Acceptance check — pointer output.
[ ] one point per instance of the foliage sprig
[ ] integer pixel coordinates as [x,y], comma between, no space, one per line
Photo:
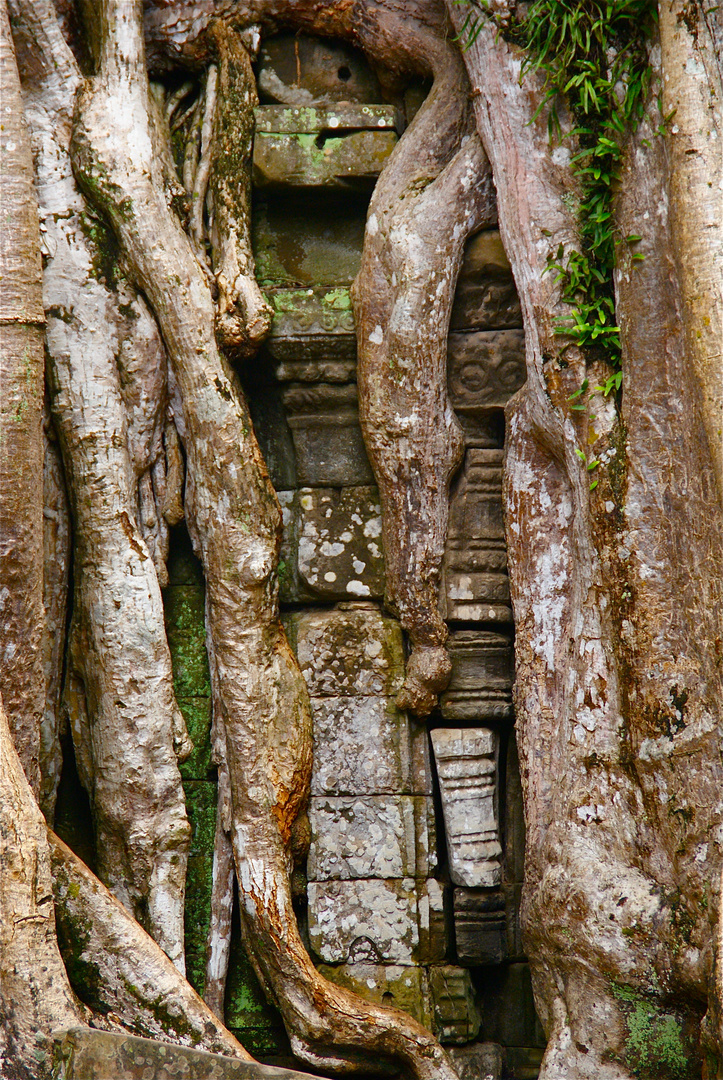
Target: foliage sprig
[593,54]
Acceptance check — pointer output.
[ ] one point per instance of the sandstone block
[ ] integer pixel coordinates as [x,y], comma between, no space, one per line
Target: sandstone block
[331,546]
[467,769]
[485,368]
[479,1061]
[365,746]
[311,324]
[433,929]
[456,1016]
[351,650]
[404,988]
[486,297]
[352,159]
[84,1053]
[480,925]
[328,444]
[482,670]
[301,70]
[300,239]
[364,921]
[377,836]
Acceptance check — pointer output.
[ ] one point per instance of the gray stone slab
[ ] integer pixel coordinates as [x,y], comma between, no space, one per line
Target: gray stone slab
[485,368]
[373,836]
[350,160]
[90,1054]
[403,988]
[456,1016]
[364,921]
[337,119]
[350,650]
[365,746]
[486,297]
[305,241]
[328,443]
[466,761]
[482,671]
[478,1061]
[433,928]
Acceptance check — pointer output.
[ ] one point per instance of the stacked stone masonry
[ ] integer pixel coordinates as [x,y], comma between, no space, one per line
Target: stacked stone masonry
[417,838]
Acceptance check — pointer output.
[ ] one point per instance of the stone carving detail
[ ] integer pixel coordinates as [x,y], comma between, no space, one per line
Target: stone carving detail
[456,1016]
[476,585]
[486,297]
[467,769]
[315,323]
[480,924]
[481,684]
[328,443]
[485,368]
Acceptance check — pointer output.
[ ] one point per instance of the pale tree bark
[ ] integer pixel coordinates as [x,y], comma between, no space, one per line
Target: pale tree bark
[126,725]
[21,413]
[617,605]
[35,995]
[234,520]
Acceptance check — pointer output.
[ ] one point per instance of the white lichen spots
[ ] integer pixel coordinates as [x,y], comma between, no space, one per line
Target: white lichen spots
[373,527]
[701,853]
[330,576]
[377,335]
[372,225]
[359,566]
[358,588]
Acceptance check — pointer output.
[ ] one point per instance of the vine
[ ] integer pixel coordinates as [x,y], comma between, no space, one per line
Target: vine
[594,56]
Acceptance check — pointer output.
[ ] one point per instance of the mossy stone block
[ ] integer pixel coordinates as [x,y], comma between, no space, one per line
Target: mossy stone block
[183,566]
[201,799]
[199,880]
[185,627]
[247,1010]
[319,160]
[197,714]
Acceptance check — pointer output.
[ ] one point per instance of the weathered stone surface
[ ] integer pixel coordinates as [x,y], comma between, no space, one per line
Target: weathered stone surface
[378,836]
[197,918]
[337,119]
[197,714]
[433,929]
[331,549]
[485,368]
[476,586]
[311,324]
[201,799]
[486,297]
[482,671]
[340,552]
[185,628]
[273,433]
[376,922]
[254,1022]
[404,988]
[479,1061]
[90,1054]
[456,1016]
[365,746]
[351,650]
[364,921]
[301,238]
[307,159]
[467,767]
[301,70]
[480,925]
[328,443]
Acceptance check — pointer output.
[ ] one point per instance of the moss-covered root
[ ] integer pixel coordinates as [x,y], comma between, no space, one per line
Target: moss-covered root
[118,969]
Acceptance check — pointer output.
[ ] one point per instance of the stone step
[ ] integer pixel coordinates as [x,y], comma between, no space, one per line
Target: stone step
[88,1054]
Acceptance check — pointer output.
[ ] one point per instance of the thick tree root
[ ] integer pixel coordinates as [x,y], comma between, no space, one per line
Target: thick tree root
[126,977]
[234,519]
[126,724]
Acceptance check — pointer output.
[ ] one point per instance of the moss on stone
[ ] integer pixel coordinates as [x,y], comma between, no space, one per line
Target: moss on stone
[201,800]
[197,917]
[197,714]
[657,1044]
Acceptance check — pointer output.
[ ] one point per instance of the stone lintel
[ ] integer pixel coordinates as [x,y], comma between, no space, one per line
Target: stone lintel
[90,1054]
[339,118]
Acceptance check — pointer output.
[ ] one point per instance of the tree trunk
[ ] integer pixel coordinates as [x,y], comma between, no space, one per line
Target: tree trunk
[617,601]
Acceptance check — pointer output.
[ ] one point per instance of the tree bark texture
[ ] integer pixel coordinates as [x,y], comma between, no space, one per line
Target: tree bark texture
[35,994]
[262,714]
[107,383]
[618,686]
[21,413]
